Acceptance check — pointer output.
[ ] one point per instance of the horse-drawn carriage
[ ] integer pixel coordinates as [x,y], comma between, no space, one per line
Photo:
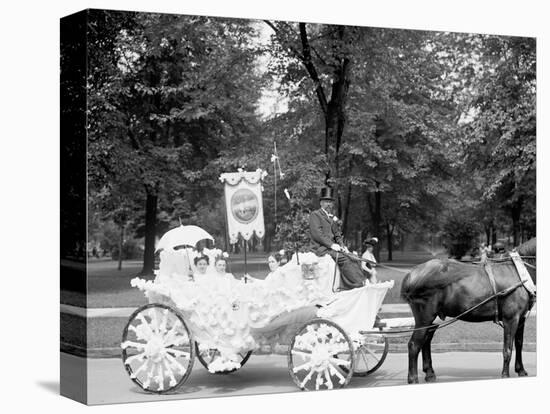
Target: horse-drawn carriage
[328,336]
[222,321]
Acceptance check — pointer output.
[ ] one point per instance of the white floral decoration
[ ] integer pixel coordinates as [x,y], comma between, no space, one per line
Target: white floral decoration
[287,194]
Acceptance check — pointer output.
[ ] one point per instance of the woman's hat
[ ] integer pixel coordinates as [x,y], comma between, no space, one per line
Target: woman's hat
[372,241]
[327,194]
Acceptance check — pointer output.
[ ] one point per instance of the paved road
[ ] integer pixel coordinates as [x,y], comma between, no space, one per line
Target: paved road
[109,383]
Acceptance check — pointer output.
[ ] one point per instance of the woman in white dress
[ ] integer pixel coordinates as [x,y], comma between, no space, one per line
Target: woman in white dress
[221,265]
[201,264]
[370,267]
[274,262]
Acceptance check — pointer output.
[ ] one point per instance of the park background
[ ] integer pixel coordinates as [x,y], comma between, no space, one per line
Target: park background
[428,138]
[39,375]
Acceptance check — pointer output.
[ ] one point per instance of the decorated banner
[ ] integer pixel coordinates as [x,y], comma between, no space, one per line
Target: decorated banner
[243,203]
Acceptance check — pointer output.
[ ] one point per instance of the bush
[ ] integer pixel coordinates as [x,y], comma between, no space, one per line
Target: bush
[293,231]
[459,236]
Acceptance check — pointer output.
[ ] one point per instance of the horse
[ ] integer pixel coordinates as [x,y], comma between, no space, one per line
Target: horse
[447,288]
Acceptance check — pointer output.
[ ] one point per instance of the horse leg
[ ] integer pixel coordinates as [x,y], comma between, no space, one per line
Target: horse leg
[510,327]
[415,345]
[427,357]
[519,345]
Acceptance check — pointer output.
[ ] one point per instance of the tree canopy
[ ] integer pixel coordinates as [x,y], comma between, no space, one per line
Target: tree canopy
[413,129]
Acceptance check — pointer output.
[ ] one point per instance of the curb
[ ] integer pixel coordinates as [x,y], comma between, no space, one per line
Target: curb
[390,308]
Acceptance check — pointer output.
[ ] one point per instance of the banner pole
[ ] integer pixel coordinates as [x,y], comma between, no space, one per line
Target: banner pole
[245,270]
[275,182]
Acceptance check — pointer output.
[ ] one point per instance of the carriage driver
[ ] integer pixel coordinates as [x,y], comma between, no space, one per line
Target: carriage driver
[326,238]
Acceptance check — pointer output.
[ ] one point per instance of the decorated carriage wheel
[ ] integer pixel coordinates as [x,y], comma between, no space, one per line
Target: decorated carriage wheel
[370,355]
[321,356]
[157,348]
[208,356]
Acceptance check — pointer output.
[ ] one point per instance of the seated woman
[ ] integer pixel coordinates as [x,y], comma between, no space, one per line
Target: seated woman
[220,265]
[201,264]
[370,268]
[278,277]
[274,262]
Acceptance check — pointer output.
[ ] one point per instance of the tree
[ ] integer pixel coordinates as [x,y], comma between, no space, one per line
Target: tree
[178,89]
[501,134]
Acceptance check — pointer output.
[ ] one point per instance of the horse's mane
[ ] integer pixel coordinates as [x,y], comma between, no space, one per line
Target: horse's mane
[435,274]
[529,248]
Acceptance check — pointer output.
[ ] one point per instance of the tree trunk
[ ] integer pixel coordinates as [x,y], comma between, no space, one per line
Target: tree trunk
[377,219]
[389,238]
[120,246]
[516,215]
[150,233]
[345,219]
[358,241]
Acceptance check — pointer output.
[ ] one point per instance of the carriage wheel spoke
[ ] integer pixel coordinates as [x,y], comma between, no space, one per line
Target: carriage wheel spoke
[178,353]
[318,380]
[138,357]
[372,354]
[329,383]
[155,324]
[306,365]
[307,378]
[133,344]
[178,341]
[175,363]
[301,353]
[212,355]
[164,321]
[168,370]
[340,362]
[364,358]
[335,370]
[146,325]
[172,334]
[140,368]
[160,377]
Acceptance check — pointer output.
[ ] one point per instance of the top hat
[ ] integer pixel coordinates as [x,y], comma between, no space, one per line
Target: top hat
[327,194]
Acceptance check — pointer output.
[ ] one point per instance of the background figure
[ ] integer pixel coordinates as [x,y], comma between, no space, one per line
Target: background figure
[370,268]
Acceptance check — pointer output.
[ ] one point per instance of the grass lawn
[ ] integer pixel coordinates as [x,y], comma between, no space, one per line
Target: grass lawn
[110,287]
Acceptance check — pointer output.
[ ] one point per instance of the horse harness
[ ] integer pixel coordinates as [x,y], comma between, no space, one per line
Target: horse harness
[491,276]
[524,277]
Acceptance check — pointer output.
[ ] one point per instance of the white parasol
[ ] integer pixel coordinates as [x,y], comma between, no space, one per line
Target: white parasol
[183,236]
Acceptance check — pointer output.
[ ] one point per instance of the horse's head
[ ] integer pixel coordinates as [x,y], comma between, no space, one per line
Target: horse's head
[528,253]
